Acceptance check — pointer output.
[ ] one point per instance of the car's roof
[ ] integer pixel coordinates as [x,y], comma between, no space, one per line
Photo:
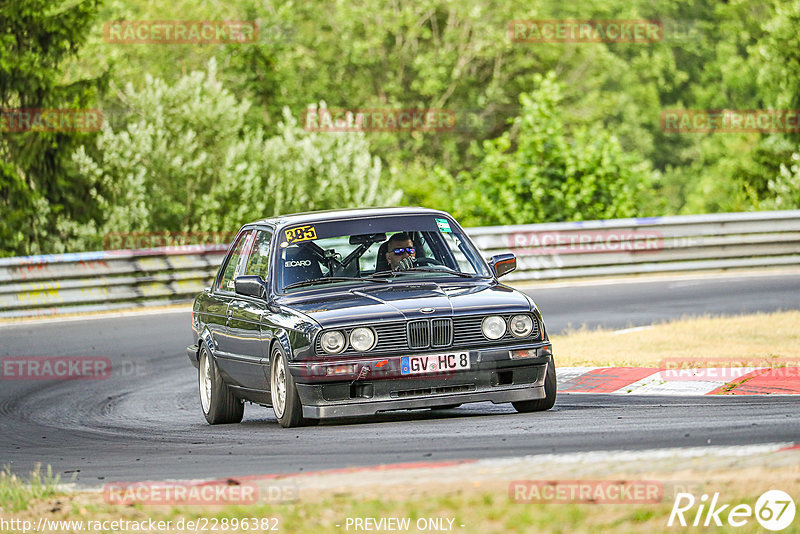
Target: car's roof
[332,215]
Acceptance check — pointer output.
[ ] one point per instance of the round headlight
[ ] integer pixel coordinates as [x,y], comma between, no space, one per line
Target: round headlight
[362,339]
[494,327]
[521,325]
[332,342]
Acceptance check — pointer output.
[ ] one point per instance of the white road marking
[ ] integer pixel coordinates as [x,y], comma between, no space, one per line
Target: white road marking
[621,456]
[633,329]
[568,373]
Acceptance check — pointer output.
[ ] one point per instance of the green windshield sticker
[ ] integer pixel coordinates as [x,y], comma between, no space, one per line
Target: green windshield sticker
[444,225]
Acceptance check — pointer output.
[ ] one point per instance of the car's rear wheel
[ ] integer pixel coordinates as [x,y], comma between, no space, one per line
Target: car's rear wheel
[220,406]
[285,399]
[541,405]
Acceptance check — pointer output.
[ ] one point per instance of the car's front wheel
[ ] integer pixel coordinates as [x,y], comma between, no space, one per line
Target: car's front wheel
[285,399]
[540,405]
[220,406]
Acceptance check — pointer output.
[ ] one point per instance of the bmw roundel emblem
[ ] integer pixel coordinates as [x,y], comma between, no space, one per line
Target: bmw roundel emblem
[427,310]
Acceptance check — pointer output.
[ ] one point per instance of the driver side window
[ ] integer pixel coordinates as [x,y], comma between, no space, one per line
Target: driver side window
[258,264]
[225,282]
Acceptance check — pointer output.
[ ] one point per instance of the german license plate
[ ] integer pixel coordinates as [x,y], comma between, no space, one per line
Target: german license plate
[434,363]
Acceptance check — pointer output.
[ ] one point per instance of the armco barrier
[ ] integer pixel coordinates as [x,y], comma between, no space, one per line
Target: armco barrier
[92,281]
[646,245]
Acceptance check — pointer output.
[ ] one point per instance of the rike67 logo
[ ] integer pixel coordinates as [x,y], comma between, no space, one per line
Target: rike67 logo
[774,510]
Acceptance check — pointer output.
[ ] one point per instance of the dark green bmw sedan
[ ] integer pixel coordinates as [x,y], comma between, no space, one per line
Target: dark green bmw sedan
[351,313]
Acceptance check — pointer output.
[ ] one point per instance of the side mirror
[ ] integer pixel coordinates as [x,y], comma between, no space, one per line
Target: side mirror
[251,286]
[503,264]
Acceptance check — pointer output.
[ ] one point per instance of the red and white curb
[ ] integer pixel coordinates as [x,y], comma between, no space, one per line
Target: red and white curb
[660,381]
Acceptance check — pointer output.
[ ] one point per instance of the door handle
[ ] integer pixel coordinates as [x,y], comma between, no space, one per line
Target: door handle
[237,305]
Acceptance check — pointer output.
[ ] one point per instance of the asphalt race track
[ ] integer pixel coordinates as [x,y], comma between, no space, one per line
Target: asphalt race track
[144,423]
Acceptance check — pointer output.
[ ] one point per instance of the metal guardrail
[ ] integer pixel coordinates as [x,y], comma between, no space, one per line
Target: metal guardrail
[646,245]
[93,281]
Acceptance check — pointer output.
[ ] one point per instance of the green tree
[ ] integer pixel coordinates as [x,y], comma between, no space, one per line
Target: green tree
[452,54]
[456,54]
[777,58]
[183,159]
[785,188]
[744,58]
[543,171]
[169,147]
[298,171]
[42,202]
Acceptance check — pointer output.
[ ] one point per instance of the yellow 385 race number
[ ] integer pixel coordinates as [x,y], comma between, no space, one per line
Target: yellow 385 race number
[301,233]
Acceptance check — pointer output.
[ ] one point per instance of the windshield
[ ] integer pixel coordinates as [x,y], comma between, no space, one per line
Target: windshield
[375,249]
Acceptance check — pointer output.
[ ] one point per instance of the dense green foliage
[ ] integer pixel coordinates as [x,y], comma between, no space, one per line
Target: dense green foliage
[40,197]
[208,136]
[542,171]
[183,160]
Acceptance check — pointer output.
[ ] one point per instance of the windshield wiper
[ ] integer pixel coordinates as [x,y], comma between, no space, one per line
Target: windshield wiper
[445,270]
[384,273]
[426,270]
[326,279]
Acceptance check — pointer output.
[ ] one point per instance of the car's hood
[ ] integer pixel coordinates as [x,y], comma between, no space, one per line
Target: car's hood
[402,301]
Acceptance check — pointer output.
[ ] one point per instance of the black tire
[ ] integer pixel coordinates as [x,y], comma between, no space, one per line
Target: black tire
[541,405]
[220,406]
[283,391]
[447,407]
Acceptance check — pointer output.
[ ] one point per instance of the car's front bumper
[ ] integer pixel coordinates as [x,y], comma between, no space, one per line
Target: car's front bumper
[492,376]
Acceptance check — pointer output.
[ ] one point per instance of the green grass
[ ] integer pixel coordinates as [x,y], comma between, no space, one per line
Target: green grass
[17,494]
[765,339]
[479,511]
